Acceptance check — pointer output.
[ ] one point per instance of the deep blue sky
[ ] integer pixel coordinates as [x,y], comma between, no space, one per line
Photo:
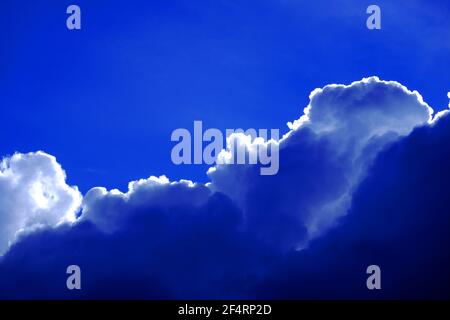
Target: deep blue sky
[104,100]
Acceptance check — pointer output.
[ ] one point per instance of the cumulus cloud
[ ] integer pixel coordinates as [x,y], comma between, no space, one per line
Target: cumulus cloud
[322,160]
[33,194]
[399,220]
[323,157]
[141,247]
[107,208]
[223,239]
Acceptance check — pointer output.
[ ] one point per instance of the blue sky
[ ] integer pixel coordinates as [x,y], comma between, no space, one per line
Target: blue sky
[104,100]
[363,180]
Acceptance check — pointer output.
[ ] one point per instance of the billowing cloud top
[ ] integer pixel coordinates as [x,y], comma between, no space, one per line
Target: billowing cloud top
[230,229]
[33,194]
[107,208]
[323,157]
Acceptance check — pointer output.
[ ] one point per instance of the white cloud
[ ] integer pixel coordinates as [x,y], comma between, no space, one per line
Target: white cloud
[323,158]
[33,193]
[348,125]
[107,208]
[448,96]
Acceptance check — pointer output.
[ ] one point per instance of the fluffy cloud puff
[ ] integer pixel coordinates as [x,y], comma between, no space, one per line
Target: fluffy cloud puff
[33,194]
[107,209]
[322,159]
